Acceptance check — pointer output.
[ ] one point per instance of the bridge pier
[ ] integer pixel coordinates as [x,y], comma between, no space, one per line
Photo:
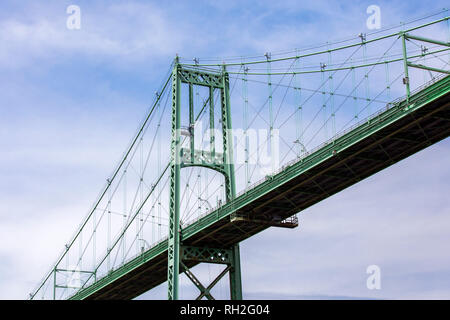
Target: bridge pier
[180,256]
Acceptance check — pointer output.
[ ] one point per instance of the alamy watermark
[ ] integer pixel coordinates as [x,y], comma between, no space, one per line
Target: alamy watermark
[73,279]
[73,21]
[260,147]
[374,20]
[374,280]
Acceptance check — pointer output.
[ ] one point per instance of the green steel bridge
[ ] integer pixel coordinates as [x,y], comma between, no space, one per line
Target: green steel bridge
[306,125]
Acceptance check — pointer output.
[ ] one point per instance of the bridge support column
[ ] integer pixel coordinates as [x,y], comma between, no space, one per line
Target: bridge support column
[235,275]
[235,272]
[173,250]
[182,157]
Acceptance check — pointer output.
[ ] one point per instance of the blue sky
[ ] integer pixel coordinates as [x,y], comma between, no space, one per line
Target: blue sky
[72,99]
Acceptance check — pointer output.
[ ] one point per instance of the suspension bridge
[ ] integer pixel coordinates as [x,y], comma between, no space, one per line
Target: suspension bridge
[307,124]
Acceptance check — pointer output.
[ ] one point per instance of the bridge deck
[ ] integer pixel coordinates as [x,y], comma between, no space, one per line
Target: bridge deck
[392,135]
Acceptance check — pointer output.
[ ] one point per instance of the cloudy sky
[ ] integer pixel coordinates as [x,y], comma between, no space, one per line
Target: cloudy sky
[71,100]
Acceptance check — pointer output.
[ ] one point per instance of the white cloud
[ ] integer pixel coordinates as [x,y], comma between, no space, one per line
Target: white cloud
[369,223]
[132,30]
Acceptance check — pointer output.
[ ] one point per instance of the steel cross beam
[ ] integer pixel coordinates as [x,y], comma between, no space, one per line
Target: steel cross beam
[206,255]
[406,81]
[181,158]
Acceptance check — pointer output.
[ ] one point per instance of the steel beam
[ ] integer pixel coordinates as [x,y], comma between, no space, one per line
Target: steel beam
[173,249]
[423,39]
[197,283]
[208,289]
[207,254]
[421,66]
[235,272]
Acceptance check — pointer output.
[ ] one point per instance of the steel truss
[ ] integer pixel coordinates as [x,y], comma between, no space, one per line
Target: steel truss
[222,163]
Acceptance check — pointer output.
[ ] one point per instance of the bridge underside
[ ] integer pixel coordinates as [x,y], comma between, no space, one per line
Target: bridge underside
[351,161]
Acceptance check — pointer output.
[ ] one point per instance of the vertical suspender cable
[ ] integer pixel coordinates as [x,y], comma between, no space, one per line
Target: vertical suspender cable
[448,33]
[424,50]
[268,56]
[298,109]
[366,76]
[324,104]
[153,209]
[94,231]
[159,169]
[199,190]
[67,260]
[108,241]
[141,194]
[330,78]
[388,86]
[81,251]
[141,218]
[353,88]
[201,147]
[124,213]
[245,125]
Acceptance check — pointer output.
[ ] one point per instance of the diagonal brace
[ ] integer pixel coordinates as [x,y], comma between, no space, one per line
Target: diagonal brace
[204,291]
[208,289]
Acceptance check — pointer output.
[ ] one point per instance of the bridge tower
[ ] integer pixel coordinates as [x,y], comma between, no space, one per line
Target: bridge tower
[180,255]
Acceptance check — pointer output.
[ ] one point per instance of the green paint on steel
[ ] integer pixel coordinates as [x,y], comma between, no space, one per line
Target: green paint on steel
[160,248]
[350,138]
[344,68]
[173,250]
[210,80]
[405,66]
[196,75]
[398,110]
